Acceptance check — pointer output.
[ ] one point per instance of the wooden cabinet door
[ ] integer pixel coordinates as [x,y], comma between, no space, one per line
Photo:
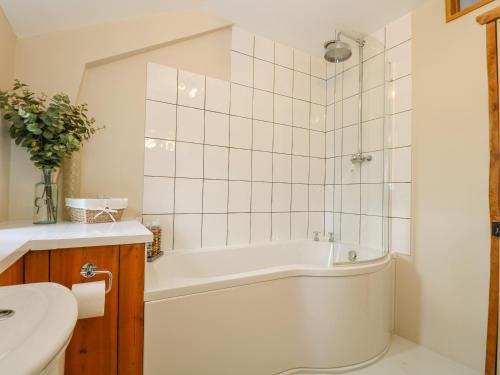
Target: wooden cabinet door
[93,348]
[14,275]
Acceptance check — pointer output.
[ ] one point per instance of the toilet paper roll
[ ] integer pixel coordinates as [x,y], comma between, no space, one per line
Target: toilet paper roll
[91,298]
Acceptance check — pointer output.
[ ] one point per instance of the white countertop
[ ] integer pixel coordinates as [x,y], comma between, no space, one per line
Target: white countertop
[17,238]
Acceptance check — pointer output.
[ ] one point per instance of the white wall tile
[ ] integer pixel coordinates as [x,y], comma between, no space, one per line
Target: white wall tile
[330,91]
[216,162]
[330,171]
[374,72]
[373,104]
[158,195]
[300,142]
[329,223]
[331,147]
[329,196]
[189,160]
[317,171]
[159,157]
[191,89]
[350,228]
[301,86]
[373,171]
[400,235]
[215,196]
[316,197]
[160,120]
[351,173]
[263,105]
[317,144]
[241,100]
[283,55]
[399,59]
[239,196]
[187,231]
[283,80]
[301,61]
[301,113]
[337,145]
[214,230]
[371,232]
[398,31]
[263,75]
[337,198]
[373,135]
[351,199]
[318,91]
[280,226]
[261,196]
[318,117]
[242,41]
[318,67]
[300,197]
[188,195]
[161,83]
[283,139]
[262,164]
[299,225]
[216,129]
[330,70]
[300,169]
[240,132]
[351,82]
[350,140]
[400,165]
[217,95]
[316,223]
[350,108]
[354,59]
[281,197]
[400,95]
[398,130]
[375,44]
[264,48]
[330,117]
[339,85]
[238,230]
[190,124]
[260,227]
[282,168]
[241,69]
[239,164]
[282,110]
[400,200]
[338,115]
[372,199]
[262,135]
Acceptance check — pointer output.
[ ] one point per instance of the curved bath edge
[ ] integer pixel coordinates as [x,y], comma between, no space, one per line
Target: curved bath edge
[337,370]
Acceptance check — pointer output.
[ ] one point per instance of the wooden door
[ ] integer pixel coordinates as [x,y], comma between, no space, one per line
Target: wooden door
[490,20]
[88,352]
[13,275]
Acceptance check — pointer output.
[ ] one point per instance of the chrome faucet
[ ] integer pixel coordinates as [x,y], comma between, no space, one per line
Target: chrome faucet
[316,236]
[330,236]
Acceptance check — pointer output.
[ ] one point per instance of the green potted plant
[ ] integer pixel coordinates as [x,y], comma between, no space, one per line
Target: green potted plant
[50,129]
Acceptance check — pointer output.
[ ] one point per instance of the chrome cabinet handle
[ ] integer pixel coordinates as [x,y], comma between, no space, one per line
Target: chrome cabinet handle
[89,270]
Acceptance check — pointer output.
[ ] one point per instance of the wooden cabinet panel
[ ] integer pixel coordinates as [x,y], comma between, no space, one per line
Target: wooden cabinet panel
[36,267]
[131,309]
[93,348]
[13,275]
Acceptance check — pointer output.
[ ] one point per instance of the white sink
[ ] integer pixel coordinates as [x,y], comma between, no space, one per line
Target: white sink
[33,339]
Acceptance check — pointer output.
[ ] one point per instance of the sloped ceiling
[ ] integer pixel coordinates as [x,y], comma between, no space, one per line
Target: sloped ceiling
[303,24]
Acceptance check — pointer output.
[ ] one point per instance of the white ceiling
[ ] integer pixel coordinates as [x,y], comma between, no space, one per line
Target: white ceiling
[303,24]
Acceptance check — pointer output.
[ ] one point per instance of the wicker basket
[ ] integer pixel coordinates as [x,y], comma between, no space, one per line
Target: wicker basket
[93,211]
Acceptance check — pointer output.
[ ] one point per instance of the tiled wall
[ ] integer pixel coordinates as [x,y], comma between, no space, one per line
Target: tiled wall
[371,202]
[264,158]
[233,163]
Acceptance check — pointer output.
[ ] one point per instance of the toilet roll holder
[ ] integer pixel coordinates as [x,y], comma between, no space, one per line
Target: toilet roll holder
[89,270]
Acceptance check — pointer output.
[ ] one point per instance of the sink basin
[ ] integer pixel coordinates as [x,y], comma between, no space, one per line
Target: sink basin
[36,324]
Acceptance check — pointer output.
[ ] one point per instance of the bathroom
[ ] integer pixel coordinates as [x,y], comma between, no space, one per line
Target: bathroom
[267,188]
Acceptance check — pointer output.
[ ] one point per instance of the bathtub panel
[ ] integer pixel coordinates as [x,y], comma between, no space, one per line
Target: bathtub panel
[272,326]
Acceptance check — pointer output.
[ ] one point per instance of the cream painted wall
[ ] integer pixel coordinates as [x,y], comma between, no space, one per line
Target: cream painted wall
[7,58]
[56,62]
[442,290]
[112,164]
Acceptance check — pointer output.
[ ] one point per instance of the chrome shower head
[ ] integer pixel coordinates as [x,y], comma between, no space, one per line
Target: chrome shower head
[337,51]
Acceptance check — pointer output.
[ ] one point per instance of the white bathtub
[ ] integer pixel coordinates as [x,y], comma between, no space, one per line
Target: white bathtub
[289,307]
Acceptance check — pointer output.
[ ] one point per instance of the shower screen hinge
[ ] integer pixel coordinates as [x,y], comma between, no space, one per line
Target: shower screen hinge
[495,229]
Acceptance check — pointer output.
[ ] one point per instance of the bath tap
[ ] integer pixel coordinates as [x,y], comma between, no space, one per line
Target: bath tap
[330,236]
[316,236]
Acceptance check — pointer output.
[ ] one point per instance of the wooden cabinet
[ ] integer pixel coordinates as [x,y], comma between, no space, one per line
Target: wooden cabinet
[112,344]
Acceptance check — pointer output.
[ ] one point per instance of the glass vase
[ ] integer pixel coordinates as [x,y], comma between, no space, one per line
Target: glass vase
[45,210]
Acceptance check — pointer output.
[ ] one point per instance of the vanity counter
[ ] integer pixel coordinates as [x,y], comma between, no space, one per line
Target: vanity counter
[17,238]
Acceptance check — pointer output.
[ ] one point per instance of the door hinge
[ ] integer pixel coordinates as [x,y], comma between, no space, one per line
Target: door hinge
[495,229]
